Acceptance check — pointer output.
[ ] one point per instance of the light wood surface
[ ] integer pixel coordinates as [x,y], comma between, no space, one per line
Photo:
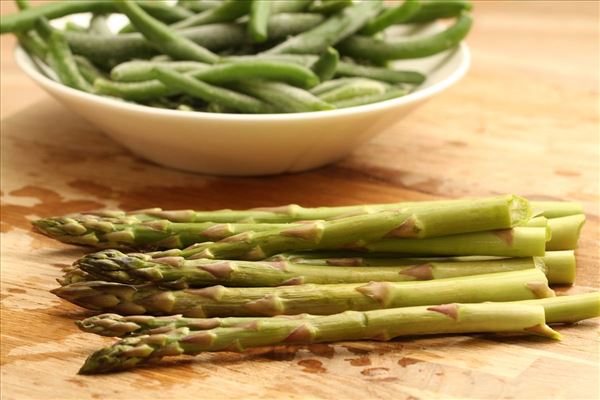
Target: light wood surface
[524,120]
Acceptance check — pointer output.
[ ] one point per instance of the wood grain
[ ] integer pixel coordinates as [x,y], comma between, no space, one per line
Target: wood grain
[524,120]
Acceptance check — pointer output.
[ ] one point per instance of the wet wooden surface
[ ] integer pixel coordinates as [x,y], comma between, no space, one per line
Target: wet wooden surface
[525,120]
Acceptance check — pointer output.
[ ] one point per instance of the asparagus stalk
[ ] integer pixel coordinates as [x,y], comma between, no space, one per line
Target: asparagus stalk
[142,229]
[536,222]
[127,232]
[560,266]
[518,209]
[569,309]
[135,325]
[559,309]
[555,209]
[179,273]
[516,242]
[359,232]
[565,232]
[351,325]
[219,301]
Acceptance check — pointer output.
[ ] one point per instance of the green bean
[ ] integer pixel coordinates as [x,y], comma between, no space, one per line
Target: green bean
[141,70]
[344,68]
[290,73]
[214,94]
[216,108]
[330,32]
[26,19]
[391,16]
[165,12]
[353,89]
[99,25]
[222,73]
[326,64]
[229,10]
[71,26]
[162,12]
[199,5]
[31,41]
[363,47]
[282,25]
[134,91]
[329,6]
[378,73]
[61,61]
[284,97]
[330,85]
[167,40]
[259,17]
[290,6]
[88,70]
[436,9]
[306,60]
[277,6]
[359,101]
[33,44]
[215,74]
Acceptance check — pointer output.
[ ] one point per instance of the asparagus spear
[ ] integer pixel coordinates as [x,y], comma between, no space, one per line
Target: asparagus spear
[560,266]
[351,325]
[565,232]
[121,326]
[516,242]
[219,301]
[142,229]
[371,232]
[536,222]
[127,232]
[179,273]
[555,209]
[559,309]
[518,209]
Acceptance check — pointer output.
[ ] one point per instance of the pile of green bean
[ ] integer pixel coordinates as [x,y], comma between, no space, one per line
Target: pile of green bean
[239,56]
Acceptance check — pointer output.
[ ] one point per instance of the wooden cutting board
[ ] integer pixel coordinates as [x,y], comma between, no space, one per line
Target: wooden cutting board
[525,120]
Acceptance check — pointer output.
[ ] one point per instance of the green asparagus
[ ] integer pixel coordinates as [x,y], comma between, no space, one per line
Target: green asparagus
[351,325]
[178,273]
[516,242]
[559,266]
[219,301]
[555,209]
[151,228]
[559,309]
[517,209]
[565,232]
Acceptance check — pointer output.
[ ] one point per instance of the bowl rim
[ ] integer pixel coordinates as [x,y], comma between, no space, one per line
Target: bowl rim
[27,65]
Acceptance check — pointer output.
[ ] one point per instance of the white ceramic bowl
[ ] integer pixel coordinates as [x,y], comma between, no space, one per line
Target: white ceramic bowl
[247,145]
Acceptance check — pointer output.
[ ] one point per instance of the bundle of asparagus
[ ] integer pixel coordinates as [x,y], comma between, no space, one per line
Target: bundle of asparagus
[237,279]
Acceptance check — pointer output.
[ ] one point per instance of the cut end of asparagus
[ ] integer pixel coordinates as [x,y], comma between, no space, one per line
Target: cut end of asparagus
[520,210]
[560,266]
